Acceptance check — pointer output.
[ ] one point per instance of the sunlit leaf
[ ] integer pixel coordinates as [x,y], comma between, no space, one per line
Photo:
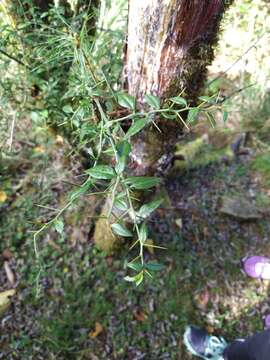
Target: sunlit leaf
[121,230]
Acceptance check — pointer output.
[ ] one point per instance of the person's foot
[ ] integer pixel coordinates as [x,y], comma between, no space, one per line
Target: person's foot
[257,267]
[205,346]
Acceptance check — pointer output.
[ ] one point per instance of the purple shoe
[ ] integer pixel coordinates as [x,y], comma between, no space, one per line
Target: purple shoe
[257,267]
[267,322]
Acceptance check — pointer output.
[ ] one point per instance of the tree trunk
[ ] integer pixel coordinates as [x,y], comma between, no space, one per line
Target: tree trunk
[170,45]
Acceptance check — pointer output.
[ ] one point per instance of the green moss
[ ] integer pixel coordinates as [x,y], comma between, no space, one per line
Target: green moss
[205,157]
[262,165]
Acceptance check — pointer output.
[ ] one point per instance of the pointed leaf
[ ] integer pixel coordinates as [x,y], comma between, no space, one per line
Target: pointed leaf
[121,230]
[101,172]
[80,190]
[143,232]
[136,127]
[123,148]
[67,109]
[208,99]
[142,182]
[179,100]
[139,278]
[147,209]
[135,266]
[169,115]
[121,204]
[127,101]
[153,101]
[192,114]
[225,116]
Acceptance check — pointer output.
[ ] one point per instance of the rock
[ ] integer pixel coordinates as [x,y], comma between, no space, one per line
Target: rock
[239,208]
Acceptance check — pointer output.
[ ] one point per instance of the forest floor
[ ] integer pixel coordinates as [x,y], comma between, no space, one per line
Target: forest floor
[72,302]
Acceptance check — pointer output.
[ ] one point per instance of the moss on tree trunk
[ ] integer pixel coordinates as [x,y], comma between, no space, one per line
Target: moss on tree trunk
[170,45]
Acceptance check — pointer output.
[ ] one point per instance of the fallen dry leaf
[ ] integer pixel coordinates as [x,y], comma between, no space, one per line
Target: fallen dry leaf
[98,330]
[3,196]
[7,254]
[140,315]
[9,273]
[5,300]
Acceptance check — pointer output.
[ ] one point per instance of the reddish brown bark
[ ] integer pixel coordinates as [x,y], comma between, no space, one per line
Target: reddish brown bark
[170,45]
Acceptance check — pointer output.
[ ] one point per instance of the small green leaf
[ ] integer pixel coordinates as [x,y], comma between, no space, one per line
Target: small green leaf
[169,115]
[120,165]
[129,278]
[192,114]
[143,233]
[87,130]
[127,101]
[153,101]
[123,148]
[142,182]
[154,266]
[121,230]
[208,99]
[225,116]
[80,190]
[67,109]
[121,204]
[138,278]
[136,127]
[59,226]
[135,266]
[101,172]
[179,100]
[147,209]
